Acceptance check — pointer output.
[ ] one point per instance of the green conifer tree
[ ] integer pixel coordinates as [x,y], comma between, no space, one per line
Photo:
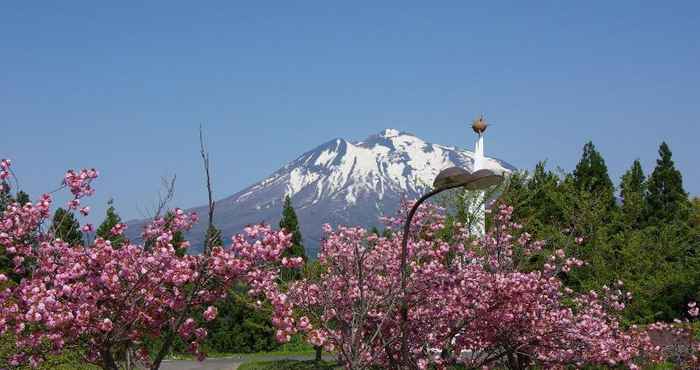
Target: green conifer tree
[666,199]
[290,223]
[632,192]
[213,237]
[66,227]
[591,175]
[22,198]
[105,229]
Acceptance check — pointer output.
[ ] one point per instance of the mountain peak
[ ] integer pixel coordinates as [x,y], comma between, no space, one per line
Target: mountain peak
[390,132]
[341,182]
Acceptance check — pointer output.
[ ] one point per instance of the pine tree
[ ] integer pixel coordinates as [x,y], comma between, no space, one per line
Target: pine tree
[290,223]
[213,237]
[591,175]
[22,198]
[666,199]
[632,192]
[105,229]
[6,197]
[66,227]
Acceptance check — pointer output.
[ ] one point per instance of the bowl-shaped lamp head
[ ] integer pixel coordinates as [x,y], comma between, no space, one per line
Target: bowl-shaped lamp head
[483,179]
[459,177]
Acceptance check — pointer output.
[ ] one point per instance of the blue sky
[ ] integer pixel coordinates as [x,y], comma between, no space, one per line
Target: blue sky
[123,87]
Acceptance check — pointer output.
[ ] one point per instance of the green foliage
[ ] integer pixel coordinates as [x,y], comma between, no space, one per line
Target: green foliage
[591,175]
[240,327]
[66,227]
[648,242]
[695,215]
[22,198]
[104,231]
[312,270]
[213,237]
[290,223]
[67,360]
[666,201]
[632,192]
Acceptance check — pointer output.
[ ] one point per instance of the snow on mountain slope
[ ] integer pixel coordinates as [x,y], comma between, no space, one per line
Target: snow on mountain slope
[341,182]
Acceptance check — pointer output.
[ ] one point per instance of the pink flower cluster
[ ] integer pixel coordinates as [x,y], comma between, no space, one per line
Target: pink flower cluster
[5,169]
[79,183]
[162,229]
[471,302]
[107,298]
[118,229]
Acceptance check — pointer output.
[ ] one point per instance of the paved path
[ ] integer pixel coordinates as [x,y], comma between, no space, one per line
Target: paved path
[229,363]
[208,364]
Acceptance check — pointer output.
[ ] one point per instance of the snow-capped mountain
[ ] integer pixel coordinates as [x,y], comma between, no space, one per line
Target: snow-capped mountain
[341,182]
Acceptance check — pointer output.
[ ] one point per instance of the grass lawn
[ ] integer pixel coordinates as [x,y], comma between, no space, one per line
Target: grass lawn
[288,365]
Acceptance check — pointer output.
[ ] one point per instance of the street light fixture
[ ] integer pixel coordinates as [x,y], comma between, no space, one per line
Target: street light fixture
[450,178]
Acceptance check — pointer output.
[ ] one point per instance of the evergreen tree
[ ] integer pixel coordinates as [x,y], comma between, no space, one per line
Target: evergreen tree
[22,198]
[6,197]
[66,227]
[666,199]
[290,223]
[591,175]
[213,237]
[632,192]
[105,229]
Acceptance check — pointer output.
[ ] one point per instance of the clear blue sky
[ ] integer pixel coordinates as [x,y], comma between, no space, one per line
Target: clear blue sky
[123,87]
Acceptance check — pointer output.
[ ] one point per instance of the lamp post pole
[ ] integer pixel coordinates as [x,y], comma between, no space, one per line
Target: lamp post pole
[450,178]
[404,272]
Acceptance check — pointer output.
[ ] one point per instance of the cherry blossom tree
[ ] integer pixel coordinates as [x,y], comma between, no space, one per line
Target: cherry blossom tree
[111,302]
[472,301]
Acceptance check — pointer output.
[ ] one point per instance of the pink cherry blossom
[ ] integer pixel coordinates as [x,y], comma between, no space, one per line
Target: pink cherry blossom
[118,229]
[210,313]
[471,302]
[5,169]
[104,299]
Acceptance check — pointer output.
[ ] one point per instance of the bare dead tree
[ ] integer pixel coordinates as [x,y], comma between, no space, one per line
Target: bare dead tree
[165,195]
[204,152]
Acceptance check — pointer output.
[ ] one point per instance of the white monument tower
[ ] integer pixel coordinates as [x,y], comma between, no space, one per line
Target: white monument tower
[479,126]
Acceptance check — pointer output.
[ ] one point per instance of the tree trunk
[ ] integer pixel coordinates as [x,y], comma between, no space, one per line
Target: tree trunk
[514,361]
[108,360]
[164,349]
[319,356]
